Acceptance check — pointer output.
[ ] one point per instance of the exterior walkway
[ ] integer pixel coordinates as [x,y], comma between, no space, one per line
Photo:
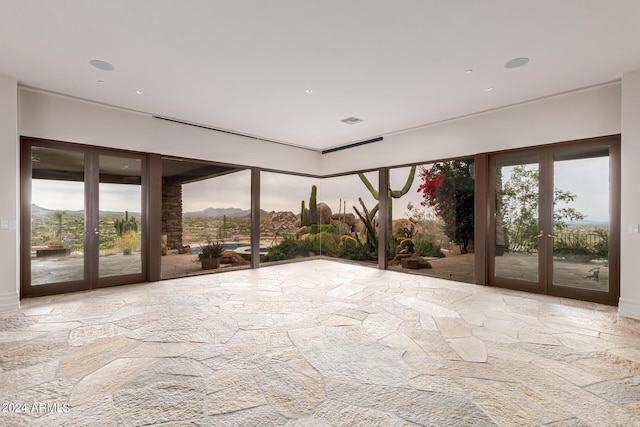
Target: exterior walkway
[316,343]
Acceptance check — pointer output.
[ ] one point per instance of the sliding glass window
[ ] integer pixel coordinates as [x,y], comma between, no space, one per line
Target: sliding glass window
[432,219]
[206,218]
[288,228]
[350,224]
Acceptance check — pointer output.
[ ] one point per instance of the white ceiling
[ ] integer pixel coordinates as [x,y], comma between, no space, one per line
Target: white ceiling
[244,66]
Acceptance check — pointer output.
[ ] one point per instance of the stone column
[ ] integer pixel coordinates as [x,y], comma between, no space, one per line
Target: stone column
[172,214]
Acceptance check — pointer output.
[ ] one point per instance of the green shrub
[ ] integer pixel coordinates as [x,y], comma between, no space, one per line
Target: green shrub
[355,252]
[322,242]
[329,228]
[601,248]
[572,244]
[406,244]
[348,241]
[426,247]
[324,227]
[287,249]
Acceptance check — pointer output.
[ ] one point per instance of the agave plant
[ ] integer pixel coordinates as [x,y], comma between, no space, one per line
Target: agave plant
[211,249]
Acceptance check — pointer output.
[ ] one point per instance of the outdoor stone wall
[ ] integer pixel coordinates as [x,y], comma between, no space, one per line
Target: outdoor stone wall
[172,214]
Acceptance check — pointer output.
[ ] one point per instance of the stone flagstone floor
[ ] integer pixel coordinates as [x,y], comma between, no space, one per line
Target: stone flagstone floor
[316,343]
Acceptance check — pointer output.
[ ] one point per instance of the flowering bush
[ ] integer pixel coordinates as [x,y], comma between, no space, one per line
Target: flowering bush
[448,188]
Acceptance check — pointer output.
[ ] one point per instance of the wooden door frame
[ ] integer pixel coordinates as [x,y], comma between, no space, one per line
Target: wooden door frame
[522,285]
[612,297]
[91,279]
[102,282]
[26,289]
[546,186]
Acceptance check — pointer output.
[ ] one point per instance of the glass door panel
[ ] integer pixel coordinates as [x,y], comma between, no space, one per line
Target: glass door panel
[581,219]
[57,216]
[204,203]
[516,226]
[81,220]
[555,222]
[120,216]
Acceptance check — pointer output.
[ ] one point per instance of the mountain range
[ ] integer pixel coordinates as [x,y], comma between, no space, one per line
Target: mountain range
[207,213]
[35,209]
[218,212]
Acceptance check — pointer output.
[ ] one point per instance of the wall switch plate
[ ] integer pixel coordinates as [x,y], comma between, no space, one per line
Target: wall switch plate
[634,228]
[4,224]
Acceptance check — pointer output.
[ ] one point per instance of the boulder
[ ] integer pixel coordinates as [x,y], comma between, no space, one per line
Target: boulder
[414,263]
[284,222]
[404,223]
[349,218]
[233,258]
[324,213]
[397,260]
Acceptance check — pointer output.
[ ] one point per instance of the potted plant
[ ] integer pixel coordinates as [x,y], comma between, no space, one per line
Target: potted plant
[210,254]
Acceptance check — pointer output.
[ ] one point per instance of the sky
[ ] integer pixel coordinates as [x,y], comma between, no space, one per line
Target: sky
[279,192]
[69,195]
[586,178]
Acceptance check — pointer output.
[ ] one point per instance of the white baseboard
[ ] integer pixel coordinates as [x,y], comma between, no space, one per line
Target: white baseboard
[627,308]
[9,301]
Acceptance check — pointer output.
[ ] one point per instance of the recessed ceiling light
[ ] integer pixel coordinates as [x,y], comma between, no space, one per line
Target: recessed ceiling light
[488,89]
[139,92]
[308,91]
[469,71]
[516,62]
[102,65]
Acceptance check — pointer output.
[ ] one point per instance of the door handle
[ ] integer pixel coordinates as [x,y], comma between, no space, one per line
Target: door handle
[95,231]
[551,235]
[540,235]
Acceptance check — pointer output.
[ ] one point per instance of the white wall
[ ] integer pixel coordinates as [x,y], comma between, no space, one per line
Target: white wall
[44,115]
[582,114]
[630,194]
[9,177]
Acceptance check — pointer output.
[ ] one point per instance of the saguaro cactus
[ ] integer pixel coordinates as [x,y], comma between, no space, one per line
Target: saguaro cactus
[392,194]
[224,226]
[304,215]
[126,224]
[313,210]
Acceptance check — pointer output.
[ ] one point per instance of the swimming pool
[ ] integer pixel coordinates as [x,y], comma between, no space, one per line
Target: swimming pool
[237,247]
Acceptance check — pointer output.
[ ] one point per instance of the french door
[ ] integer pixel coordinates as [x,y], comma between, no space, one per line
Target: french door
[82,217]
[554,220]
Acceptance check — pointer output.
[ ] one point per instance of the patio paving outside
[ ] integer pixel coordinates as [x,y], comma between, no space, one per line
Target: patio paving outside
[459,267]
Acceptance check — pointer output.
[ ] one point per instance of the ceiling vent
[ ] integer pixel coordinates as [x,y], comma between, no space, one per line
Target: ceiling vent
[351,120]
[355,144]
